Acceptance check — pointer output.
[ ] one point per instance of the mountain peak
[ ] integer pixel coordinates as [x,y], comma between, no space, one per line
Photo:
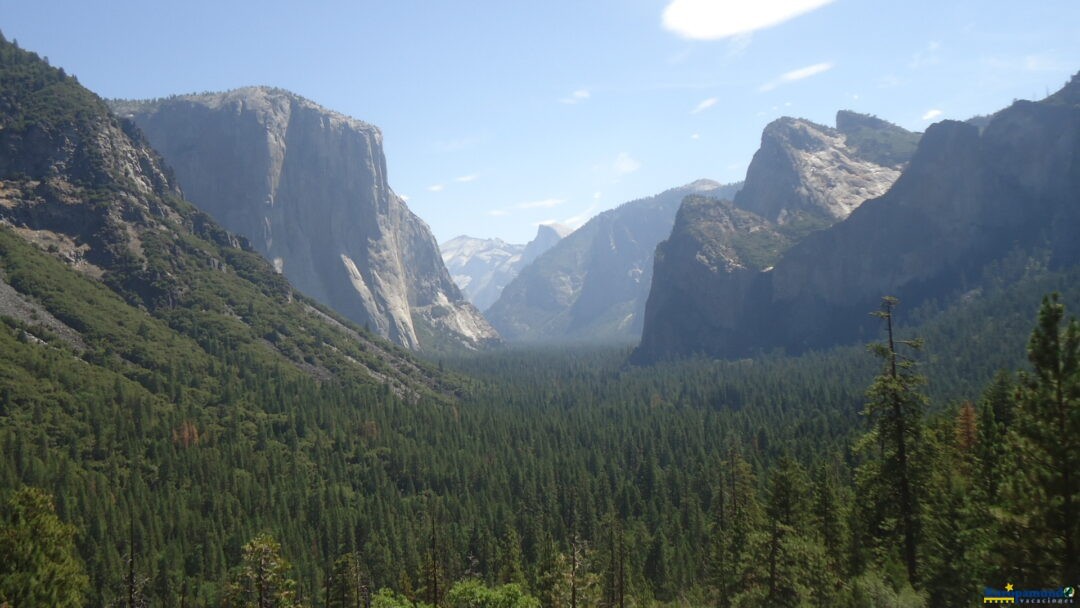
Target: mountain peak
[549,228]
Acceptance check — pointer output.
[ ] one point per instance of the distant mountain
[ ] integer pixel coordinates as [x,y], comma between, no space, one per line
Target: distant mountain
[308,187]
[592,285]
[969,203]
[483,267]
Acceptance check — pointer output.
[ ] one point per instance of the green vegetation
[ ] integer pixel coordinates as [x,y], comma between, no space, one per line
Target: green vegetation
[214,438]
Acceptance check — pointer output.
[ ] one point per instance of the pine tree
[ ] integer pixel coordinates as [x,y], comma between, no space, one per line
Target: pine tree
[261,580]
[38,563]
[347,587]
[737,516]
[1041,489]
[893,475]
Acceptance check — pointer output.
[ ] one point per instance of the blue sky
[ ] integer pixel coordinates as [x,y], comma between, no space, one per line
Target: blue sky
[500,115]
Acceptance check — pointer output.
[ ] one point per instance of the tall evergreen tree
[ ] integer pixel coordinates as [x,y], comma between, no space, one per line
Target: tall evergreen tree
[1041,488]
[893,474]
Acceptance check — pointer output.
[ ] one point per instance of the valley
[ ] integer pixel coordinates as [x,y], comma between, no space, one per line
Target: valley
[238,369]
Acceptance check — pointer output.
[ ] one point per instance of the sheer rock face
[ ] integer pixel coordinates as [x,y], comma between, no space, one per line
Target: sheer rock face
[483,267]
[966,200]
[592,285]
[308,187]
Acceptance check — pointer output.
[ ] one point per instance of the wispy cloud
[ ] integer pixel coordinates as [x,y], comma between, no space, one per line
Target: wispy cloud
[705,104]
[459,144]
[436,187]
[625,164]
[575,221]
[696,136]
[546,203]
[466,178]
[712,20]
[931,114]
[1027,63]
[498,212]
[925,56]
[795,75]
[577,96]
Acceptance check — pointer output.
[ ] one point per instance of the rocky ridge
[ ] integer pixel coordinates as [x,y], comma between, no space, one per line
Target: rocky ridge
[967,200]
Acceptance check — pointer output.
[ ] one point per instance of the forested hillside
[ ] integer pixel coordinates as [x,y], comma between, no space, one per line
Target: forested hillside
[178,427]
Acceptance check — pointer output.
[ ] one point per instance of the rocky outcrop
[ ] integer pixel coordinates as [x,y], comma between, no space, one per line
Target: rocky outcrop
[308,187]
[966,200]
[483,267]
[593,284]
[808,174]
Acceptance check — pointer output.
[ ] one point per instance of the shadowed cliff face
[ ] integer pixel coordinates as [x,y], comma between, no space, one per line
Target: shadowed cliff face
[308,187]
[592,285]
[966,200]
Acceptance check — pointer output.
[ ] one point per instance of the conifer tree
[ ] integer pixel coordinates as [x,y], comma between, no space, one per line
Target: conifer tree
[1041,488]
[261,580]
[38,563]
[893,475]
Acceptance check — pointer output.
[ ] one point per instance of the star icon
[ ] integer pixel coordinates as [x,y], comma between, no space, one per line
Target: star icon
[1008,586]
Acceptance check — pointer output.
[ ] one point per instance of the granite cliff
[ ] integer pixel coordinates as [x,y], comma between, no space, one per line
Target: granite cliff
[812,175]
[967,200]
[308,187]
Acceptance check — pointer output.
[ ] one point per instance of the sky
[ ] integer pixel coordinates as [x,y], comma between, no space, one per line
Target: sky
[501,115]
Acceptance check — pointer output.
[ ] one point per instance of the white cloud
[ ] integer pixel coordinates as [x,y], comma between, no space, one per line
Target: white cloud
[931,114]
[696,136]
[794,75]
[404,197]
[577,96]
[466,178]
[596,195]
[704,105]
[498,212]
[436,188]
[546,203]
[713,19]
[624,164]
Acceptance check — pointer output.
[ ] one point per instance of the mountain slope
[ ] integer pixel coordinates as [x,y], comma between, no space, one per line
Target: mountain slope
[966,200]
[483,267]
[156,374]
[592,285]
[308,187]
